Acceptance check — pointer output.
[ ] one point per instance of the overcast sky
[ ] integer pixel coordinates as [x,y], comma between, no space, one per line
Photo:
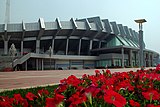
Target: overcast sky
[122,11]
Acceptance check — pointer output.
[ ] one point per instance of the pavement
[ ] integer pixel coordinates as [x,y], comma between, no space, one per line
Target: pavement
[28,79]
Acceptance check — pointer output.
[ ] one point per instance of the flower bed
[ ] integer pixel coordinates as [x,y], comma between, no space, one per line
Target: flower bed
[126,89]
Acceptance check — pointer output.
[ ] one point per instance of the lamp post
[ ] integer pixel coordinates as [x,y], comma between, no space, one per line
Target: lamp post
[141,47]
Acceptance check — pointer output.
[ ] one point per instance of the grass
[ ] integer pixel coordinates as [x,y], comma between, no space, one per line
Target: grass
[23,92]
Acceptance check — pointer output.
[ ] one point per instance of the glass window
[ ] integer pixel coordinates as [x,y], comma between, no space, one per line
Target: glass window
[103,63]
[124,42]
[134,45]
[127,40]
[117,62]
[113,42]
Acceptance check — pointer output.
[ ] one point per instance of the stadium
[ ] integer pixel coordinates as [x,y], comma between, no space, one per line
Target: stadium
[74,44]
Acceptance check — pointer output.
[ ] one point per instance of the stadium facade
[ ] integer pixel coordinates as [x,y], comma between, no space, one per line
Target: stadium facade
[75,44]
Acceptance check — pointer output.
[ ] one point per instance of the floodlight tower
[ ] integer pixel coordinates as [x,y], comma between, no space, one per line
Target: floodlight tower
[7,12]
[141,47]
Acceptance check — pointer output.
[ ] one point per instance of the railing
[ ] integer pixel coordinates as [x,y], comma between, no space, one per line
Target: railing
[21,60]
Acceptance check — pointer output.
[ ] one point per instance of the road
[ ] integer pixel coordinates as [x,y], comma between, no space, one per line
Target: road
[27,79]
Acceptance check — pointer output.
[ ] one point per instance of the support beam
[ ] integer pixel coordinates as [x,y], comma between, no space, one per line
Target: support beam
[26,66]
[79,49]
[67,46]
[24,29]
[21,48]
[42,28]
[42,65]
[37,67]
[53,45]
[130,58]
[122,52]
[6,40]
[37,46]
[5,47]
[100,43]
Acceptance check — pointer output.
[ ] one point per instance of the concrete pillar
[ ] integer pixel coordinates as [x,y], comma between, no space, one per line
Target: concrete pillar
[144,59]
[152,59]
[149,60]
[26,66]
[130,58]
[100,44]
[90,45]
[53,45]
[122,52]
[21,48]
[5,47]
[67,46]
[37,46]
[37,64]
[79,50]
[42,64]
[54,64]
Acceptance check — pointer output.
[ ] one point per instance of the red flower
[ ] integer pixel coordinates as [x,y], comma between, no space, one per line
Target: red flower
[18,99]
[61,88]
[73,80]
[152,105]
[5,104]
[158,67]
[76,99]
[53,102]
[30,96]
[124,85]
[115,98]
[43,92]
[50,102]
[134,104]
[97,72]
[151,94]
[5,101]
[93,90]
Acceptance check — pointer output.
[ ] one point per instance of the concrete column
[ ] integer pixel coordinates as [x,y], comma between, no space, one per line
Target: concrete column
[122,52]
[53,45]
[79,50]
[37,64]
[42,65]
[54,64]
[37,46]
[130,58]
[67,46]
[21,48]
[26,66]
[90,45]
[144,59]
[5,47]
[100,43]
[69,64]
[149,60]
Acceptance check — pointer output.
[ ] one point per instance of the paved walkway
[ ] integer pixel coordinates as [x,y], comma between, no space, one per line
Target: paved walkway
[26,79]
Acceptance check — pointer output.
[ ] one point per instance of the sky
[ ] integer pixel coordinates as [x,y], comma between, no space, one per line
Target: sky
[122,11]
